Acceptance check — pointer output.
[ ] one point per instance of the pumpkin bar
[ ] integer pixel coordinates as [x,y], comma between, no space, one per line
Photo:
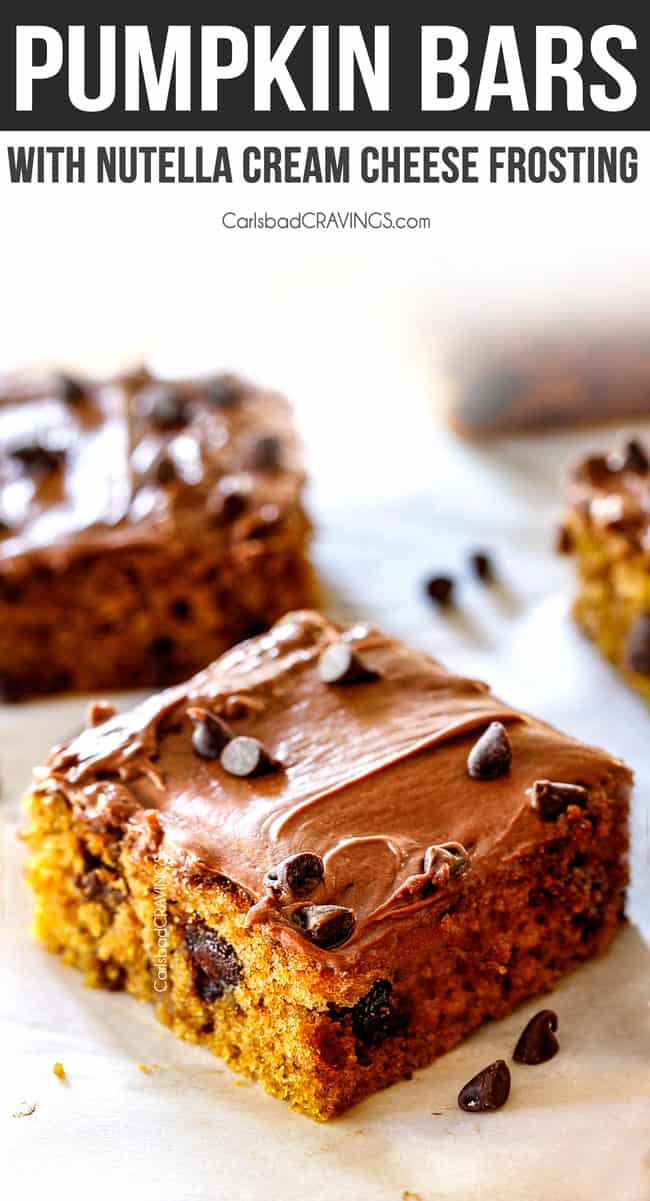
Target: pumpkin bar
[145,526]
[607,529]
[326,858]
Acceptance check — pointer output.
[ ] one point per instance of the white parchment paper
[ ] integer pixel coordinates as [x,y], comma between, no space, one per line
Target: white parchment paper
[397,505]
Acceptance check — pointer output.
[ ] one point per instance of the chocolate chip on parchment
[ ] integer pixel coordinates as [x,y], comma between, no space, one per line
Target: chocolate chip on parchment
[70,389]
[339,664]
[537,1041]
[446,859]
[636,652]
[161,405]
[491,756]
[482,566]
[635,457]
[325,925]
[246,757]
[440,589]
[299,874]
[551,798]
[266,453]
[37,459]
[487,1090]
[210,734]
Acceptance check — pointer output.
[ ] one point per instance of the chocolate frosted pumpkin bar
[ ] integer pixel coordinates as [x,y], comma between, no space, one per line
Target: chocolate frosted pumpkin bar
[327,858]
[145,526]
[607,528]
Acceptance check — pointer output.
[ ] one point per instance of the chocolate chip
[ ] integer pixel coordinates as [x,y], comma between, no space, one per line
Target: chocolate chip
[99,712]
[339,664]
[165,470]
[445,860]
[217,964]
[161,405]
[228,506]
[10,689]
[635,457]
[563,541]
[377,1015]
[210,734]
[491,756]
[96,886]
[246,757]
[224,391]
[537,1042]
[440,588]
[636,652]
[162,646]
[37,459]
[70,389]
[325,925]
[299,874]
[482,566]
[550,798]
[596,470]
[487,1090]
[266,453]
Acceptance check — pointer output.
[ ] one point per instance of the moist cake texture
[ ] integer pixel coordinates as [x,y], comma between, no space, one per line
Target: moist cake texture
[326,857]
[607,529]
[145,526]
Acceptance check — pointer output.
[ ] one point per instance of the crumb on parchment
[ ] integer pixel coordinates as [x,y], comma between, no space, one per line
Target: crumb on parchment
[148,1068]
[59,1071]
[24,1110]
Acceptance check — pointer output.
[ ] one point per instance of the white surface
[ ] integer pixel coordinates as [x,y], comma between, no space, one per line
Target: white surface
[396,499]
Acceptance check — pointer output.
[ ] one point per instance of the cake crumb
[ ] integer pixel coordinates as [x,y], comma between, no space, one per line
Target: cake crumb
[59,1071]
[407,1195]
[24,1110]
[148,1068]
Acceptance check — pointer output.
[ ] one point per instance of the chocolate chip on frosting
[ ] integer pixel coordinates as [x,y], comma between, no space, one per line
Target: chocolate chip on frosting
[165,470]
[339,664]
[246,757]
[266,453]
[550,798]
[37,459]
[161,405]
[298,874]
[487,1090]
[491,756]
[537,1042]
[70,389]
[99,712]
[440,589]
[636,653]
[444,860]
[325,925]
[210,734]
[224,391]
[635,457]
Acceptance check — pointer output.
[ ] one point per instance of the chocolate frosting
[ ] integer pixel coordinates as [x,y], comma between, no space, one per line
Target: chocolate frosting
[612,493]
[371,775]
[117,477]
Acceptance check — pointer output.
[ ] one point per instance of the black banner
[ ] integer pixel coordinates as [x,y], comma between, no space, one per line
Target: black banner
[245,66]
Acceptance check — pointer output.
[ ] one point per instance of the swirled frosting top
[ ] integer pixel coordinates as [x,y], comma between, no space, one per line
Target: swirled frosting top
[90,466]
[367,775]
